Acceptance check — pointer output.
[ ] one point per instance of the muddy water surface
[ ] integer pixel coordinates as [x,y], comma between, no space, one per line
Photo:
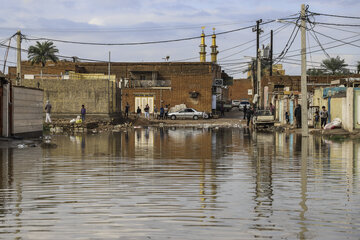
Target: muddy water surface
[181,184]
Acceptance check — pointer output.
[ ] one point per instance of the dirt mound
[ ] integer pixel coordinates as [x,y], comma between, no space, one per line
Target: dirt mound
[141,122]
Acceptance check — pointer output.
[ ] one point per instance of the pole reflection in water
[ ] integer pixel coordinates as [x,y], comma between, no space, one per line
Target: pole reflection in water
[303,179]
[181,183]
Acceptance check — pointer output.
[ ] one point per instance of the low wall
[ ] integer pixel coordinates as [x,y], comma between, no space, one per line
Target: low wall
[27,111]
[100,97]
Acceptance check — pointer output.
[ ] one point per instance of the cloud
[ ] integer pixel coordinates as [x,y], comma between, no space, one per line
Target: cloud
[152,20]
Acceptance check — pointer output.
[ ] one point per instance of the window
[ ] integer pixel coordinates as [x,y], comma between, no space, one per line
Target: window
[142,77]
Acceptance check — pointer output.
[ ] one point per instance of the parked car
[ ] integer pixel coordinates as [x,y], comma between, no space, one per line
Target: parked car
[244,103]
[187,113]
[263,119]
[235,103]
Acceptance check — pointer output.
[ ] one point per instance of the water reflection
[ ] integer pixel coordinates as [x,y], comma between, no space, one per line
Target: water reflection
[180,183]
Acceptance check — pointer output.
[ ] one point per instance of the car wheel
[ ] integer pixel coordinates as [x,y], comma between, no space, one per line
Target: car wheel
[173,117]
[195,117]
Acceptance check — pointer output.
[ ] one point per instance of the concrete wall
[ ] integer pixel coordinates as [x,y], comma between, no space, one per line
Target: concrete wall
[318,99]
[348,112]
[67,96]
[336,108]
[28,108]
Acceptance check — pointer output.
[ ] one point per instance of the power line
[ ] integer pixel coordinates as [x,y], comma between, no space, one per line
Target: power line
[276,31]
[338,24]
[336,39]
[289,42]
[139,43]
[333,15]
[339,45]
[331,42]
[318,41]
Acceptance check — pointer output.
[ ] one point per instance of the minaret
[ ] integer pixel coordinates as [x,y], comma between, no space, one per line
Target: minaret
[213,47]
[202,46]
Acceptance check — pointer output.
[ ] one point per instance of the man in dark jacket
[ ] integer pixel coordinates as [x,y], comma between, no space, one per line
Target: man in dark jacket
[297,114]
[245,109]
[249,114]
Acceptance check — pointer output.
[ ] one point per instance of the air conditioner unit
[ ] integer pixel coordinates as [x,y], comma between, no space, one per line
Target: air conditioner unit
[218,82]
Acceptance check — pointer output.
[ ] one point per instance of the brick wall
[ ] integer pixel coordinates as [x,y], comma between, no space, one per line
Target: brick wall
[179,93]
[239,89]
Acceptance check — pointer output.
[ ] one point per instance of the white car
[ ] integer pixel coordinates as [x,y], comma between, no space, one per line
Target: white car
[244,103]
[235,103]
[188,113]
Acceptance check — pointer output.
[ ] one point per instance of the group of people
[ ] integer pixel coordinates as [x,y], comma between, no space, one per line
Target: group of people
[158,114]
[48,108]
[321,116]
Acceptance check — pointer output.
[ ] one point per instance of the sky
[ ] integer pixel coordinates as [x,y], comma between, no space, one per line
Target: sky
[130,21]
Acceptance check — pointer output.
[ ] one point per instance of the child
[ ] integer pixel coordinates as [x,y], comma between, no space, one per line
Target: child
[316,119]
[287,117]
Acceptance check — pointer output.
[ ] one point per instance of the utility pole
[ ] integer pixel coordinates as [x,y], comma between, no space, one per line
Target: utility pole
[109,83]
[304,109]
[260,104]
[18,64]
[257,79]
[271,52]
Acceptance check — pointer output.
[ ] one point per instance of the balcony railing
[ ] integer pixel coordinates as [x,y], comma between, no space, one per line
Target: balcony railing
[150,83]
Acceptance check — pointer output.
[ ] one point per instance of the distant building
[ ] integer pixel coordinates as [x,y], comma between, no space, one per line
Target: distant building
[69,85]
[241,89]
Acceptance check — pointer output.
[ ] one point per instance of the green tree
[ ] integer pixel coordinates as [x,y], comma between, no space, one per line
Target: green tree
[42,52]
[334,66]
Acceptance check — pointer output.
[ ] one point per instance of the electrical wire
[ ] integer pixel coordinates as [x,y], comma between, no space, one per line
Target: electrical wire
[289,42]
[338,24]
[336,39]
[275,32]
[138,43]
[333,15]
[313,34]
[339,45]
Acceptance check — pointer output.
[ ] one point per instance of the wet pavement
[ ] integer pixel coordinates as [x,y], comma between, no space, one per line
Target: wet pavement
[181,183]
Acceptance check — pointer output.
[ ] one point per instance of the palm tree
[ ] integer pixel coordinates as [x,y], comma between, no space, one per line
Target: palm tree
[42,52]
[334,65]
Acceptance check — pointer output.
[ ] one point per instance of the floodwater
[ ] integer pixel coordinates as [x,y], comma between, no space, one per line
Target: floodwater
[157,183]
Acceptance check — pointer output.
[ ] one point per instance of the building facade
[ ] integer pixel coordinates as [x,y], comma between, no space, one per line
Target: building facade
[156,84]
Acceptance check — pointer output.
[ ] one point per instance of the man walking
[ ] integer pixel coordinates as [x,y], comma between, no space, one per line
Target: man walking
[324,116]
[127,107]
[249,115]
[297,114]
[83,112]
[48,111]
[245,109]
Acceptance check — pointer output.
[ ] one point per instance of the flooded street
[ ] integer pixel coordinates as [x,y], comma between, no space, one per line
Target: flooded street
[160,183]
